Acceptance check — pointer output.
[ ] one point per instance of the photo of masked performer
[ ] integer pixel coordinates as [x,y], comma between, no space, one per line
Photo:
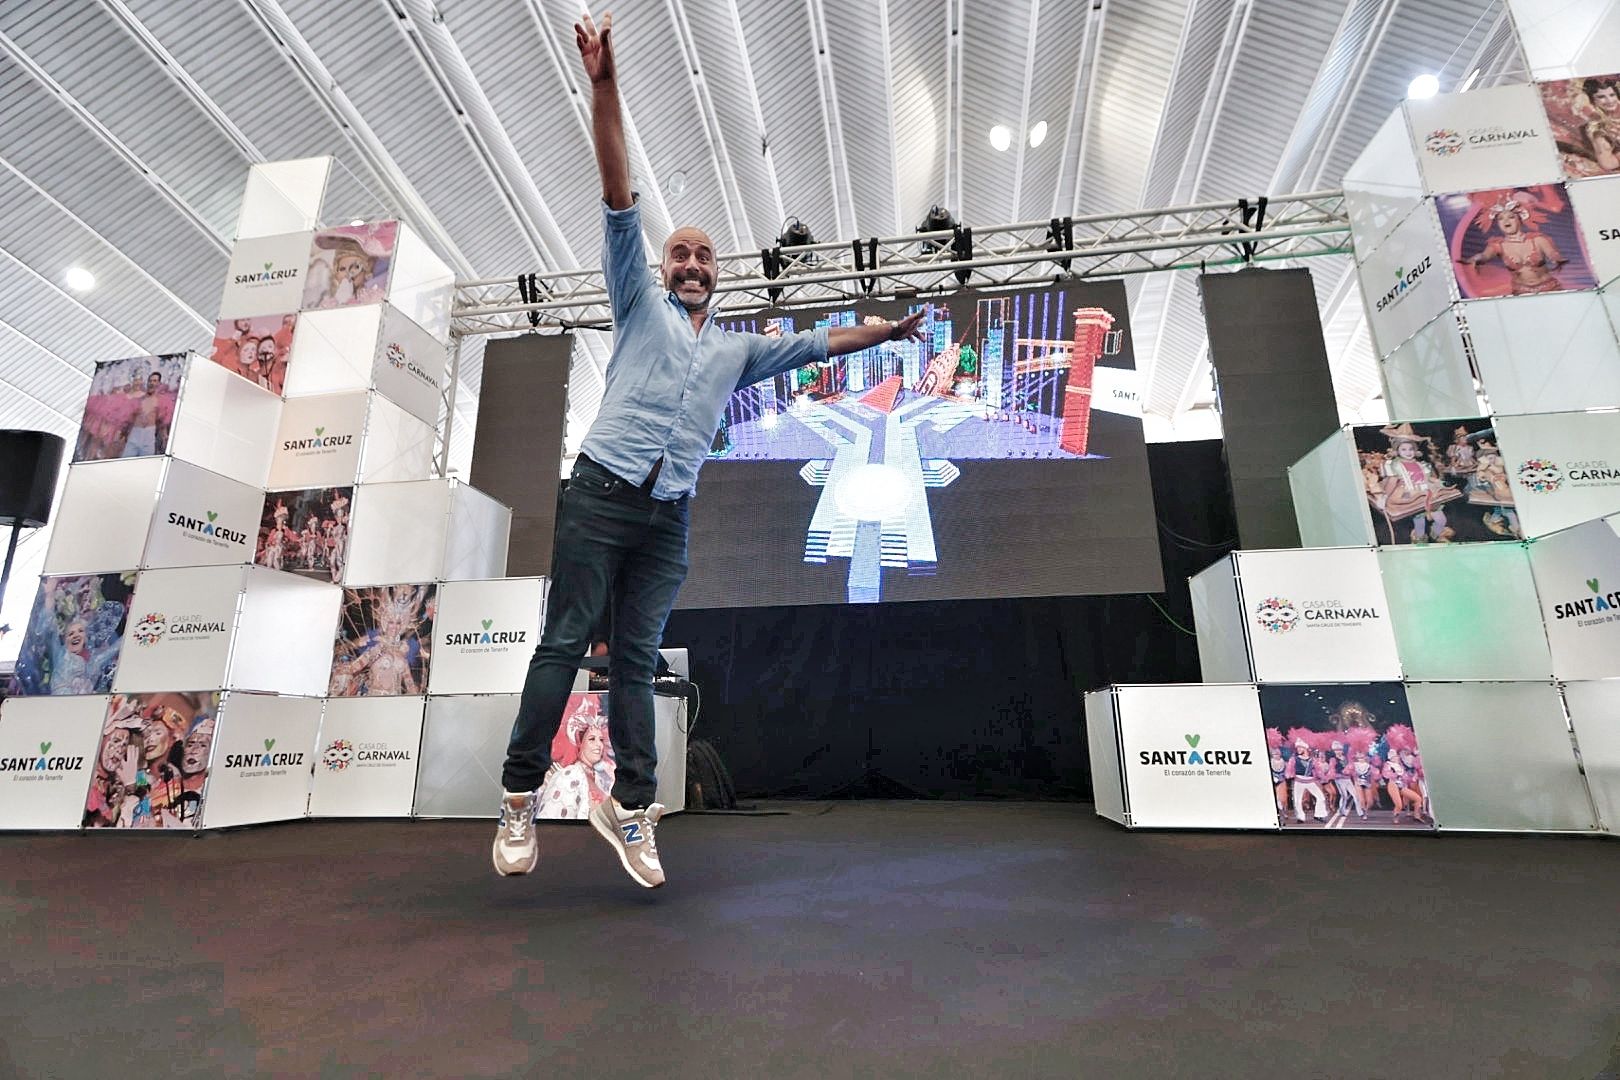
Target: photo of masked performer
[257,349]
[130,408]
[152,764]
[350,265]
[383,639]
[305,532]
[1584,115]
[581,773]
[75,633]
[1345,756]
[1514,242]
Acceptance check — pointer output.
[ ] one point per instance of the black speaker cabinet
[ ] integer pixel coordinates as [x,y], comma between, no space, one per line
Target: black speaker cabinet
[29,462]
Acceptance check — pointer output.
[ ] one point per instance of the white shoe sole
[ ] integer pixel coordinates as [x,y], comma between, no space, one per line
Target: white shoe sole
[609,834]
[504,872]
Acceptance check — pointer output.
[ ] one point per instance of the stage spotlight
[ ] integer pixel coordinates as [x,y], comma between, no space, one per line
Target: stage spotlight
[797,234]
[1423,86]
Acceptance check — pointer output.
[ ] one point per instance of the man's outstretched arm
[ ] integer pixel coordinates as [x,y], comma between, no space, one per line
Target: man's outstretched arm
[848,339]
[612,160]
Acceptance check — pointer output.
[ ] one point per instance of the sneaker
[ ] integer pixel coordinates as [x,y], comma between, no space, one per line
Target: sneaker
[516,849]
[631,834]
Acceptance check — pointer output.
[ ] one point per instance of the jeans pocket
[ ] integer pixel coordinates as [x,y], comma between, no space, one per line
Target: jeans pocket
[594,482]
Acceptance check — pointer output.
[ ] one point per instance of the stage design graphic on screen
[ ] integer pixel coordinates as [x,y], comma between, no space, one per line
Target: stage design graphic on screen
[152,764]
[1436,481]
[1039,382]
[1345,756]
[384,636]
[74,636]
[582,761]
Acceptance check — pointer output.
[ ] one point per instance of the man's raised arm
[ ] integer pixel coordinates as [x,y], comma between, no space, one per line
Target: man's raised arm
[612,160]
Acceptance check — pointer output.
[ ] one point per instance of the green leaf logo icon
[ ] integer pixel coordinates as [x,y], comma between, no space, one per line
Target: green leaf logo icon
[212,516]
[1592,583]
[1192,740]
[319,432]
[45,748]
[267,266]
[487,622]
[269,744]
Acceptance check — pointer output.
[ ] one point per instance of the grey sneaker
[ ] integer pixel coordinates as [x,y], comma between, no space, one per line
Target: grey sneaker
[631,834]
[516,850]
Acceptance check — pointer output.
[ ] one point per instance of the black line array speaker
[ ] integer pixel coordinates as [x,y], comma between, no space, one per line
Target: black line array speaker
[29,463]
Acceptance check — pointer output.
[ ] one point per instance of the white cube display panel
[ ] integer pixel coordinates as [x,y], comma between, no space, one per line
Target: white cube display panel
[181,625]
[1577,573]
[1545,353]
[318,443]
[1564,467]
[1195,757]
[1597,210]
[1498,755]
[399,532]
[202,519]
[463,748]
[410,365]
[397,446]
[1436,482]
[1465,611]
[1483,139]
[1223,645]
[130,408]
[103,515]
[1383,185]
[283,197]
[484,636]
[1329,497]
[1594,713]
[266,275]
[1561,39]
[47,755]
[1316,615]
[1405,281]
[225,423]
[264,759]
[367,760]
[423,284]
[1428,374]
[480,530]
[1102,740]
[284,636]
[334,350]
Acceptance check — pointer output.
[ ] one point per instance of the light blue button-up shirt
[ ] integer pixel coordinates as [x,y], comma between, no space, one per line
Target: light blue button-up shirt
[667,385]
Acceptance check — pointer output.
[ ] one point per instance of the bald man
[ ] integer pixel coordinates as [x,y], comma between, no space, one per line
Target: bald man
[621,530]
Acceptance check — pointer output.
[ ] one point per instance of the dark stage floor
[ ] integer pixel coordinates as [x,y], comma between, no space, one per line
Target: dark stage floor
[847,939]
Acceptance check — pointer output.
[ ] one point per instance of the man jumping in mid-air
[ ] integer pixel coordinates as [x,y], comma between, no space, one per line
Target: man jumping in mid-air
[621,530]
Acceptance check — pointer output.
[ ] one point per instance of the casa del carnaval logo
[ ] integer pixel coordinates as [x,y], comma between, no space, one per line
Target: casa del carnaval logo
[1443,142]
[1279,615]
[1276,615]
[1543,476]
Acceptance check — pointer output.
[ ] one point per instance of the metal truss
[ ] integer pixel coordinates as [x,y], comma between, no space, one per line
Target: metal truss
[1240,232]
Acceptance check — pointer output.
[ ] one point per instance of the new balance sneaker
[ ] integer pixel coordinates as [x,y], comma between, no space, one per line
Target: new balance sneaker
[516,849]
[631,834]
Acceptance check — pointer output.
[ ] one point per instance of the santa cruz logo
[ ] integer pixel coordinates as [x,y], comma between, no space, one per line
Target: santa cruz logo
[208,528]
[149,631]
[1590,605]
[268,274]
[1540,476]
[1443,142]
[321,441]
[337,755]
[42,762]
[1276,615]
[1404,280]
[487,636]
[266,760]
[1193,755]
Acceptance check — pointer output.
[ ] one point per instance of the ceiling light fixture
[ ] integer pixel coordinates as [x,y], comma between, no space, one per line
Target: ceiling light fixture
[1037,134]
[1000,137]
[1424,86]
[357,221]
[79,279]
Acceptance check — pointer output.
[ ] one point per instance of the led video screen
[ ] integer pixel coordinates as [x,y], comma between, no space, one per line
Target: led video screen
[1000,456]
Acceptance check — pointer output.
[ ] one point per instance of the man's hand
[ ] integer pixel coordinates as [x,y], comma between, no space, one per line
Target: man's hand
[596,48]
[909,328]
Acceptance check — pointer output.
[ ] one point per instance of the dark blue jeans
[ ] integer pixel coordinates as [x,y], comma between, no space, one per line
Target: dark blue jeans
[619,551]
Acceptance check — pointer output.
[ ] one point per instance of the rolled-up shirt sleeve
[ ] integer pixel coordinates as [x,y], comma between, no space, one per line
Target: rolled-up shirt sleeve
[772,356]
[629,280]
